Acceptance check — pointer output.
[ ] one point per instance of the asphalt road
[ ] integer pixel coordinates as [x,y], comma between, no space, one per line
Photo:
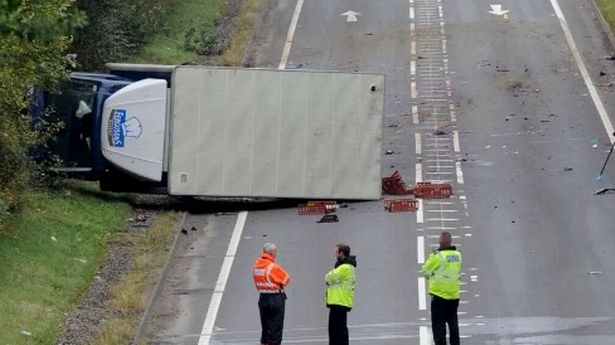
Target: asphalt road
[497,106]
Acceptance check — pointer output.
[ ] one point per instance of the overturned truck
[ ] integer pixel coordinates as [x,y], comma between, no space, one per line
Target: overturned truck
[226,132]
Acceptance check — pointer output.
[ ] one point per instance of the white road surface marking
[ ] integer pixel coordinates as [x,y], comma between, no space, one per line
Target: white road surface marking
[604,116]
[417,143]
[420,252]
[225,270]
[422,294]
[291,34]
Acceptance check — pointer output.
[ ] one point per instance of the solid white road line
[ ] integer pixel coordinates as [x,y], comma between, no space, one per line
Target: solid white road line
[604,116]
[420,250]
[225,270]
[422,294]
[290,35]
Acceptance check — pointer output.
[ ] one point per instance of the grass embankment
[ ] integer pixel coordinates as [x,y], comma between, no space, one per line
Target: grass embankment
[195,17]
[608,11]
[243,31]
[49,255]
[129,297]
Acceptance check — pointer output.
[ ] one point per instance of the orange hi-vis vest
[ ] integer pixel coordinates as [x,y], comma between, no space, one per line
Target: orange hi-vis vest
[269,277]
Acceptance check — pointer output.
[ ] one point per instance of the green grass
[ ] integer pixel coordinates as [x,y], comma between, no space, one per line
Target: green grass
[42,278]
[169,49]
[608,10]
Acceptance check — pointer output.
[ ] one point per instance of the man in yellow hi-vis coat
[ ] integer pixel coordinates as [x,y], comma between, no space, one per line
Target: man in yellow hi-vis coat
[340,294]
[443,269]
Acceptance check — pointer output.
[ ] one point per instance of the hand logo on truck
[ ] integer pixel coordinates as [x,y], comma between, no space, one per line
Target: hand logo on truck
[121,128]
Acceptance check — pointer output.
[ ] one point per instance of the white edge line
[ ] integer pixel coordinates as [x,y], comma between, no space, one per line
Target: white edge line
[422,294]
[290,35]
[225,270]
[588,81]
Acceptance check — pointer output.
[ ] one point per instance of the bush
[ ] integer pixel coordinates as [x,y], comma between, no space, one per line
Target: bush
[34,36]
[117,29]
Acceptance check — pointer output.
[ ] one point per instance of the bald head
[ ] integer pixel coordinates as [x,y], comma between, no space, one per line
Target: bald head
[446,239]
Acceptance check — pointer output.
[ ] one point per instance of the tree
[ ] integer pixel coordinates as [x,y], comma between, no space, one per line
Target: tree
[34,35]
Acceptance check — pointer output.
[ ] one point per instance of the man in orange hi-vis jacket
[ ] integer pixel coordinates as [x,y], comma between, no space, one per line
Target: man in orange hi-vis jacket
[270,280]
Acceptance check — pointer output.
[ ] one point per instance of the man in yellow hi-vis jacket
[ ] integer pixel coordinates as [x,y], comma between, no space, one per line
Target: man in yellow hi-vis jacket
[443,269]
[340,294]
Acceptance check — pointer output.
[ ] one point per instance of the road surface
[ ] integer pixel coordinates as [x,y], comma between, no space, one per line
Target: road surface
[496,103]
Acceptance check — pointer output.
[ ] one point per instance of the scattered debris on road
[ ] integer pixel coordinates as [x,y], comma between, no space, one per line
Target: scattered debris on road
[394,125]
[329,218]
[317,207]
[184,231]
[429,190]
[604,191]
[401,205]
[610,57]
[389,152]
[395,185]
[193,228]
[568,169]
[594,273]
[25,333]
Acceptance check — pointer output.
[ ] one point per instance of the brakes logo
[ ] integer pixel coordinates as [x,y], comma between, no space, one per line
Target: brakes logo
[119,128]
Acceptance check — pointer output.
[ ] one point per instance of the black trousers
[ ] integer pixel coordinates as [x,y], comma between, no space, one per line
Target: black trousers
[338,327]
[443,312]
[271,308]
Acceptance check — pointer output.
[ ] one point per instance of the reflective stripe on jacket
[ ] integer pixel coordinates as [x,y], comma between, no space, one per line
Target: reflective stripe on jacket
[340,285]
[443,269]
[269,277]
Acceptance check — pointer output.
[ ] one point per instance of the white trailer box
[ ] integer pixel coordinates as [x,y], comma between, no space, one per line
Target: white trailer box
[274,133]
[253,133]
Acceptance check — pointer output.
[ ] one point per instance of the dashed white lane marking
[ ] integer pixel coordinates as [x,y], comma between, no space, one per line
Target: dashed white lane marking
[419,212]
[417,143]
[420,250]
[418,173]
[459,173]
[225,270]
[422,294]
[413,90]
[415,114]
[604,116]
[411,14]
[424,336]
[413,68]
[291,34]
[413,48]
[456,145]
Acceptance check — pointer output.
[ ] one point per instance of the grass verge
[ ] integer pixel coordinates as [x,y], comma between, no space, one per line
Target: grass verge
[242,33]
[129,297]
[607,7]
[199,15]
[49,255]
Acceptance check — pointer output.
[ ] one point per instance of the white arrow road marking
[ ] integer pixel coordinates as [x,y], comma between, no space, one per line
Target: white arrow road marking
[497,10]
[351,16]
